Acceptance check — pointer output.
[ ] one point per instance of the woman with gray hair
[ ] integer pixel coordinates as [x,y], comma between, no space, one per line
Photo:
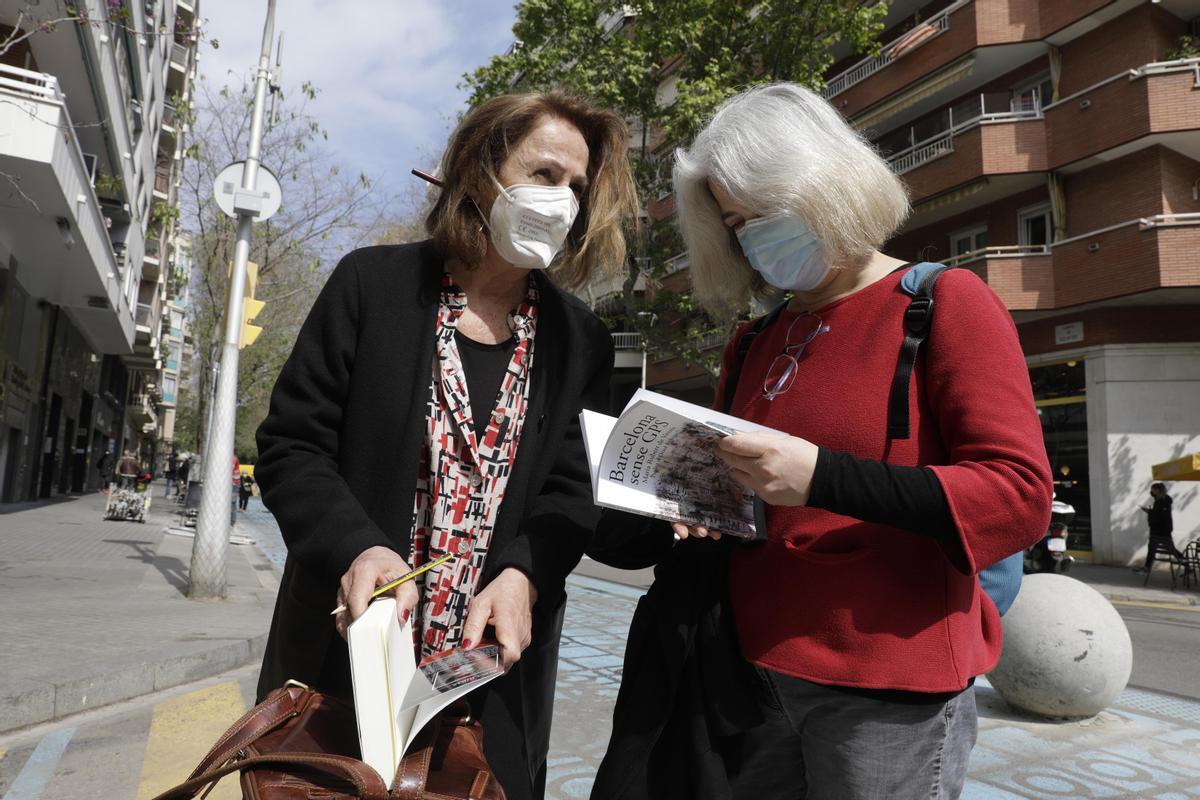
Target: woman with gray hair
[857,624]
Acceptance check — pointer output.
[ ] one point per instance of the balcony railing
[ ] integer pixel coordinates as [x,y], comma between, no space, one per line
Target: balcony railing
[923,152]
[143,314]
[627,341]
[911,40]
[1000,251]
[942,143]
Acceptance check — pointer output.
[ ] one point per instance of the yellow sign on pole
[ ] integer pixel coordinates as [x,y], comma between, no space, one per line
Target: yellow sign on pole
[251,307]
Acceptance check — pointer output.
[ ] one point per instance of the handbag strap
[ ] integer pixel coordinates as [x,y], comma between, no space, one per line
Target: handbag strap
[367,783]
[280,706]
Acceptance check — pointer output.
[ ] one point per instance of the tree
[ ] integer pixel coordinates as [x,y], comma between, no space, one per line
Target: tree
[666,72]
[324,213]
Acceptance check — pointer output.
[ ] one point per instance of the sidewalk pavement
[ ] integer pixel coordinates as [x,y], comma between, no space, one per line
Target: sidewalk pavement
[95,611]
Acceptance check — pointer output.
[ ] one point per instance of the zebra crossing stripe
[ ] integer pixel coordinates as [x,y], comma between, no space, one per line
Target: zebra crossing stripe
[182,730]
[40,767]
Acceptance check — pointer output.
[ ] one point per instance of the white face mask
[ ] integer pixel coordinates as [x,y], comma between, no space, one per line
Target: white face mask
[529,223]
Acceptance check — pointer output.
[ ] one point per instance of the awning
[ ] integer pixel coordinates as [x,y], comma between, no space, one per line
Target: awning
[1181,469]
[951,197]
[930,86]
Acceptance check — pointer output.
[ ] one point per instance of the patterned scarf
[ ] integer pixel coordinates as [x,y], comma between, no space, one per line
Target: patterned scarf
[461,480]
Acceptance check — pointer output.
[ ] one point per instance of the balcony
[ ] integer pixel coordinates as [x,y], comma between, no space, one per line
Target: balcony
[1157,252]
[142,411]
[180,65]
[893,50]
[52,221]
[986,37]
[986,143]
[1022,275]
[1158,101]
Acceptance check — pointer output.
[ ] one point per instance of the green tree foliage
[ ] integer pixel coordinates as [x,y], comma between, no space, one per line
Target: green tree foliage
[667,70]
[324,214]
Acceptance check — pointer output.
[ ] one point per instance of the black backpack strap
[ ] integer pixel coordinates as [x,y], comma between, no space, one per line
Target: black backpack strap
[743,347]
[918,318]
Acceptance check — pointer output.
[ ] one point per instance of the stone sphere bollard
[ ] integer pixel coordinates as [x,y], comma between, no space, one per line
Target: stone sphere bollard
[1067,653]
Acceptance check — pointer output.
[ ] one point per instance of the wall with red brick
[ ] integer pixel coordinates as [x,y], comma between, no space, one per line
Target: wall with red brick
[1011,147]
[1138,37]
[1024,284]
[1116,113]
[1115,325]
[1114,192]
[1174,102]
[932,242]
[1058,14]
[1002,21]
[1125,263]
[1179,256]
[1179,176]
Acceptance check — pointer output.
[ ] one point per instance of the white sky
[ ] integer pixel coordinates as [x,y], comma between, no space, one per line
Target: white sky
[387,70]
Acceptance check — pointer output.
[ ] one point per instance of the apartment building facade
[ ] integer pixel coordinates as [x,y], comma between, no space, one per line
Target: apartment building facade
[95,117]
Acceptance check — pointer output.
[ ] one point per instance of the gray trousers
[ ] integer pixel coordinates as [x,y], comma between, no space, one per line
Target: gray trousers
[821,743]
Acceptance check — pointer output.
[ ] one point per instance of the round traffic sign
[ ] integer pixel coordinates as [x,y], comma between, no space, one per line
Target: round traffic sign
[266,186]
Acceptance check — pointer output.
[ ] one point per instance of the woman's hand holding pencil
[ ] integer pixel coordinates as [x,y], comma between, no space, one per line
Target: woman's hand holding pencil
[377,571]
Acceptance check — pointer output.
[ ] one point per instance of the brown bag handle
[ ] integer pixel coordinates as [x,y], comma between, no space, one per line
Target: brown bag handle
[367,783]
[280,706]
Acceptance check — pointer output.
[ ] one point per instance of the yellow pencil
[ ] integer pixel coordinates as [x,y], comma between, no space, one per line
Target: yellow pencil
[387,587]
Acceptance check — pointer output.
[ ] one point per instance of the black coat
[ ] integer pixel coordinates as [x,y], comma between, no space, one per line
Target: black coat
[686,692]
[338,458]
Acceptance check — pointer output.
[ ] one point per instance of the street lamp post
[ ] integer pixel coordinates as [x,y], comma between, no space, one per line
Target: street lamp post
[207,577]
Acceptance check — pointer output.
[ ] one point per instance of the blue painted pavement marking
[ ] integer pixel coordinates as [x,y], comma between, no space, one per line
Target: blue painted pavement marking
[40,767]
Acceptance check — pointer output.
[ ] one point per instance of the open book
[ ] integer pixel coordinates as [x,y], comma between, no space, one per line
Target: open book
[394,696]
[658,459]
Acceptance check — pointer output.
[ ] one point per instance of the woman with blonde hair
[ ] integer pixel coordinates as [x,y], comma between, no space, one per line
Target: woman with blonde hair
[835,657]
[430,407]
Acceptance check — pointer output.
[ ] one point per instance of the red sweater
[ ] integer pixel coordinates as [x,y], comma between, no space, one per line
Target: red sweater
[840,601]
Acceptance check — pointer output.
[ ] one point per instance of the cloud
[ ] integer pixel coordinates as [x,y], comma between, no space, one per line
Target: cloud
[387,70]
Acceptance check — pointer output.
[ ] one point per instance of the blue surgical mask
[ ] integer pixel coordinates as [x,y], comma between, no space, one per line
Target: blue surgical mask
[785,251]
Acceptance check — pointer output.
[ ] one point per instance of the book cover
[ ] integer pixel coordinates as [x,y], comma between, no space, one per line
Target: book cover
[659,459]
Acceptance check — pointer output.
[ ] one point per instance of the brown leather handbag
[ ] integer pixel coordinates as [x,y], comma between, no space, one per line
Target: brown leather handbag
[301,744]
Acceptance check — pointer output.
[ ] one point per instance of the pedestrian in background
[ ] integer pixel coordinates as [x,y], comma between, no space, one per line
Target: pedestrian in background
[456,368]
[835,658]
[128,470]
[182,475]
[104,467]
[245,490]
[169,473]
[1162,526]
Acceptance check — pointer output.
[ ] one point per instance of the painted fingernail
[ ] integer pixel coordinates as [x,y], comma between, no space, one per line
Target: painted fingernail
[407,613]
[468,644]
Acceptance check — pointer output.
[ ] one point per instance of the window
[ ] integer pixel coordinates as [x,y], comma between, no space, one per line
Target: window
[1034,93]
[1034,227]
[968,241]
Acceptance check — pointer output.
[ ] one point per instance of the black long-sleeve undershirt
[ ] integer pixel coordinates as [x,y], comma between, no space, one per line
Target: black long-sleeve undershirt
[873,491]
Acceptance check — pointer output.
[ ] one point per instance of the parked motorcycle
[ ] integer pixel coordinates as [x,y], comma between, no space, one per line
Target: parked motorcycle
[1050,554]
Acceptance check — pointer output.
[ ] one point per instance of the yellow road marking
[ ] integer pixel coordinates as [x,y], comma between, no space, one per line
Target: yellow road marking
[181,732]
[1139,604]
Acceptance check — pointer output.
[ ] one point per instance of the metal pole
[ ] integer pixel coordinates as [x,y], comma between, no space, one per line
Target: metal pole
[207,577]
